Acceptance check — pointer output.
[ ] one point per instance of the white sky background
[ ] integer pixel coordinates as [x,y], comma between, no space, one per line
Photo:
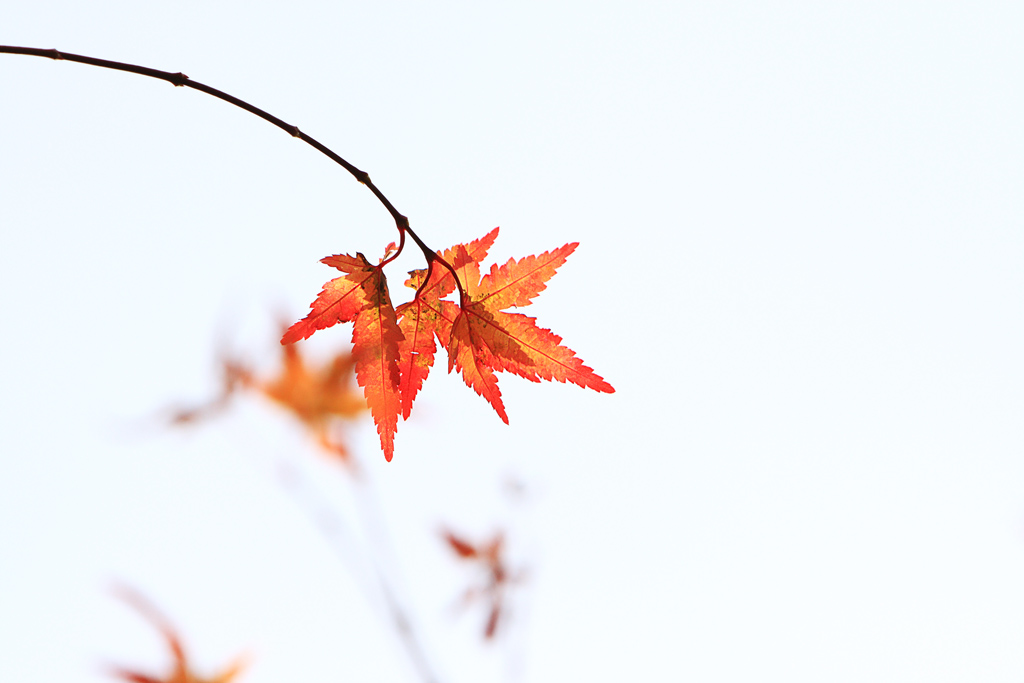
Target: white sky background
[801,266]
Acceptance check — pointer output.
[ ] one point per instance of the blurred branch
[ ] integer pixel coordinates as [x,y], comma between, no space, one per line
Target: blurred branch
[333,528]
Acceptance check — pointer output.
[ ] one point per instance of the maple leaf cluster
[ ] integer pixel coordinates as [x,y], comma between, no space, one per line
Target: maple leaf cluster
[394,348]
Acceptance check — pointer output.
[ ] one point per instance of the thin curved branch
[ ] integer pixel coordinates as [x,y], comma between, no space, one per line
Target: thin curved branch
[182,81]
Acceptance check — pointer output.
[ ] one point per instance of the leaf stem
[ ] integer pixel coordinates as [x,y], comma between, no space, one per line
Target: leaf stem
[182,81]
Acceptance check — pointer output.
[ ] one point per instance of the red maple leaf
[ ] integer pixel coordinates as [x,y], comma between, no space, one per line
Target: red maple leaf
[428,316]
[482,339]
[361,297]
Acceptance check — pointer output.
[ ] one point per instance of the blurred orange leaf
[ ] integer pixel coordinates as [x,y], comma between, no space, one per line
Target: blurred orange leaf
[181,671]
[489,558]
[317,396]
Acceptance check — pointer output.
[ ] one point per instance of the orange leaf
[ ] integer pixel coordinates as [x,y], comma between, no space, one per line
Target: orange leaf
[318,396]
[339,302]
[441,281]
[181,671]
[484,338]
[421,323]
[517,282]
[490,557]
[427,317]
[512,342]
[465,354]
[361,296]
[462,548]
[315,395]
[375,340]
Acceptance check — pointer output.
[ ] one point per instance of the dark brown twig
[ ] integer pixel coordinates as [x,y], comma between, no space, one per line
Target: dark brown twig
[182,81]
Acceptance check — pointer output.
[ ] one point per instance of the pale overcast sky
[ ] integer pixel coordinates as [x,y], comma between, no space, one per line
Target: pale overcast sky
[801,266]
